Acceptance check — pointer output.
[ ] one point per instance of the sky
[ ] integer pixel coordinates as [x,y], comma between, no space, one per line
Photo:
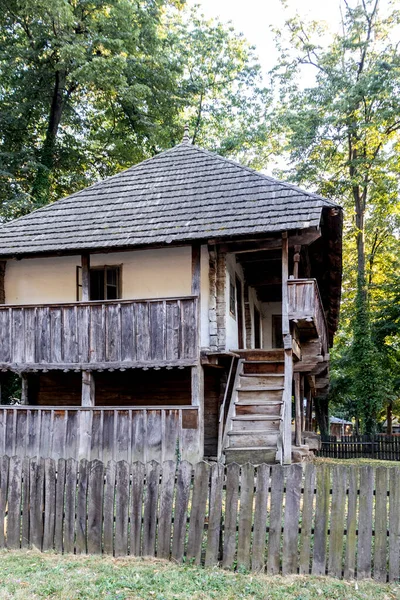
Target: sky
[253,18]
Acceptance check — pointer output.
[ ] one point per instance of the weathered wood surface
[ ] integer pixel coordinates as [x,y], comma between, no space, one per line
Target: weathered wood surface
[306,309]
[131,434]
[253,516]
[123,332]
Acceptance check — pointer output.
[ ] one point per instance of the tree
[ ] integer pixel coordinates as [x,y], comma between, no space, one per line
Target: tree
[89,87]
[342,136]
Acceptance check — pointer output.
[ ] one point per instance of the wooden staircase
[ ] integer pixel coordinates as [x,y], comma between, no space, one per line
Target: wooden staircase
[253,431]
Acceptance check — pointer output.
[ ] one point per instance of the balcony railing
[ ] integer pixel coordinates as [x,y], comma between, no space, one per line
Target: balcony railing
[306,309]
[121,433]
[99,334]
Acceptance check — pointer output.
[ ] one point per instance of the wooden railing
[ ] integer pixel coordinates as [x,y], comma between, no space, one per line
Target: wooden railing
[305,307]
[133,332]
[131,434]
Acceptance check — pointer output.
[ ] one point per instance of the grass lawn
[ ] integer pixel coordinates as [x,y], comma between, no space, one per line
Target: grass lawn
[34,575]
[359,462]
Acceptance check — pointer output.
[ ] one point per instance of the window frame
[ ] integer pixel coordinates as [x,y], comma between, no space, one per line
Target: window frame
[104,268]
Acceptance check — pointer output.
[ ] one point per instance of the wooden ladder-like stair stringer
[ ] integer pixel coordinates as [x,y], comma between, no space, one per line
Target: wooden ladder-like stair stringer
[253,431]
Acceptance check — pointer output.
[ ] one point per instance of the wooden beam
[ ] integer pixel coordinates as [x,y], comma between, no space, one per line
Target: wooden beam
[296,261]
[297,401]
[85,262]
[88,389]
[24,389]
[196,257]
[3,264]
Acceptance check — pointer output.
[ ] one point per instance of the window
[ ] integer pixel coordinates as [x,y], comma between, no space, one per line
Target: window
[105,283]
[277,338]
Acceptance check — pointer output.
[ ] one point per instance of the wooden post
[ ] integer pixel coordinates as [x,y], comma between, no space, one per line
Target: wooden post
[88,389]
[296,260]
[303,414]
[297,400]
[3,264]
[308,424]
[85,262]
[288,363]
[197,371]
[24,388]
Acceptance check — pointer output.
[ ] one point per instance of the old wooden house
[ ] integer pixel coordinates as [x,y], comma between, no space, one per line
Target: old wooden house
[176,308]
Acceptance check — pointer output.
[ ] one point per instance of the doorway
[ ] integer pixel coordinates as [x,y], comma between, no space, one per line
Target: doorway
[239,311]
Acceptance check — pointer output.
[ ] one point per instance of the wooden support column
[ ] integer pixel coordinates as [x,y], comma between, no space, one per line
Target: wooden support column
[303,412]
[3,264]
[197,371]
[88,389]
[287,345]
[296,261]
[297,402]
[85,262]
[24,388]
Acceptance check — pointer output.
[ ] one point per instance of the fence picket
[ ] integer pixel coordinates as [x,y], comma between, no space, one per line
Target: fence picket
[291,524]
[135,507]
[215,512]
[365,522]
[108,508]
[81,508]
[71,473]
[181,506]
[14,503]
[394,521]
[380,542]
[165,510]
[150,508]
[260,518]
[95,506]
[230,519]
[306,519]
[321,520]
[49,503]
[275,521]
[121,508]
[198,512]
[36,493]
[245,515]
[337,520]
[351,537]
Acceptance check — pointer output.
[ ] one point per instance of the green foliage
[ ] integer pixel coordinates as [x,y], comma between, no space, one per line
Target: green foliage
[90,87]
[342,137]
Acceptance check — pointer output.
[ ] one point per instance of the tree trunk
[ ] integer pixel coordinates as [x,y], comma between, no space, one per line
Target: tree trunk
[41,185]
[322,415]
[389,418]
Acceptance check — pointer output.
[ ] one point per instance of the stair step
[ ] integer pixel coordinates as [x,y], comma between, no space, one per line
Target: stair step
[253,437]
[263,368]
[260,388]
[260,395]
[270,409]
[266,423]
[261,381]
[255,456]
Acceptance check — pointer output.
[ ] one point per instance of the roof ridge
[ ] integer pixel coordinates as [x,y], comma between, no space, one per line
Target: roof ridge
[262,175]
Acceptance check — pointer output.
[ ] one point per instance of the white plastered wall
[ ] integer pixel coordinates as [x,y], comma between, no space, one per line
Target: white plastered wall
[153,273]
[233,269]
[269,309]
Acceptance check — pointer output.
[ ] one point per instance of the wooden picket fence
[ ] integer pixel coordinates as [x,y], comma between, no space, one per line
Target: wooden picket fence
[381,447]
[323,519]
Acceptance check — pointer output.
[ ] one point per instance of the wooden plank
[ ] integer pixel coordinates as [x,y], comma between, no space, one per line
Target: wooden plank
[30,334]
[339,473]
[71,472]
[172,332]
[18,336]
[25,503]
[108,435]
[365,522]
[14,503]
[72,434]
[136,507]
[138,436]
[381,525]
[96,438]
[59,518]
[275,520]
[36,496]
[95,506]
[321,520]
[290,556]
[128,333]
[394,521]
[5,339]
[198,511]
[230,514]
[165,514]
[49,503]
[215,514]
[142,331]
[260,519]
[97,334]
[113,329]
[121,508]
[56,329]
[298,400]
[109,496]
[180,513]
[150,508]
[70,341]
[245,515]
[351,537]
[83,334]
[157,330]
[59,434]
[154,436]
[170,435]
[46,432]
[4,475]
[85,265]
[307,519]
[122,435]
[81,508]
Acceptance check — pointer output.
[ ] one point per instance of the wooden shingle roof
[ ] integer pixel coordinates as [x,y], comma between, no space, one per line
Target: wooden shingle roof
[183,194]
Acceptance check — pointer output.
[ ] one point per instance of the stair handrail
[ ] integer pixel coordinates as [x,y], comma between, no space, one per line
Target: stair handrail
[225,421]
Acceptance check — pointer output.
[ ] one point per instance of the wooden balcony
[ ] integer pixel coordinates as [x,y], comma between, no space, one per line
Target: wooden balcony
[129,433]
[306,310]
[95,335]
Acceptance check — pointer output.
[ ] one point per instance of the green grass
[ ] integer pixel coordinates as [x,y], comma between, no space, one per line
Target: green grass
[34,575]
[359,462]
